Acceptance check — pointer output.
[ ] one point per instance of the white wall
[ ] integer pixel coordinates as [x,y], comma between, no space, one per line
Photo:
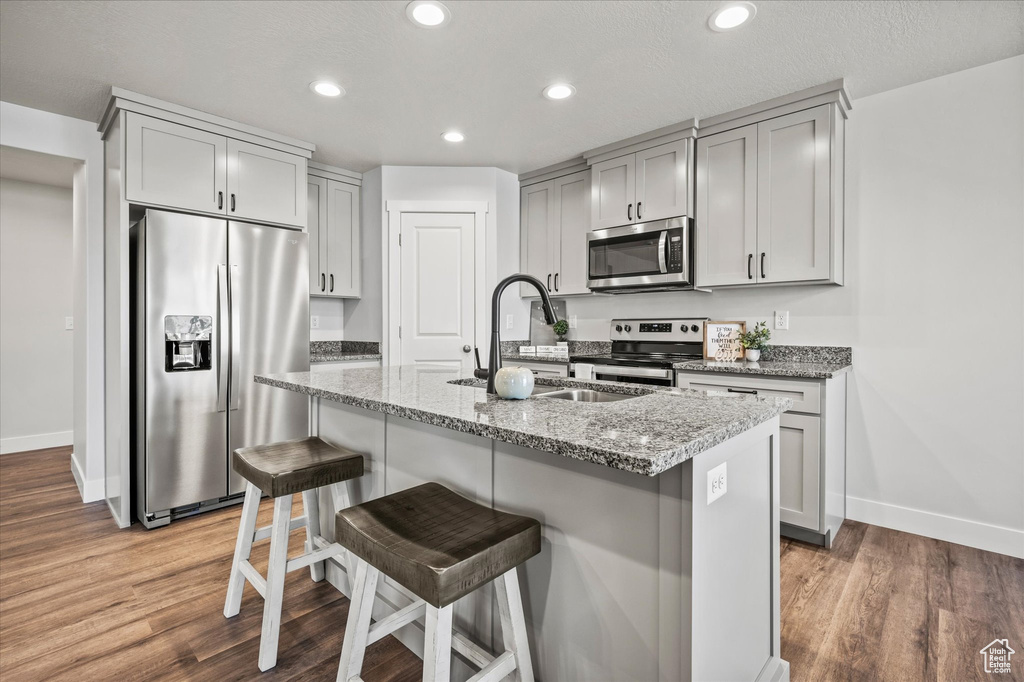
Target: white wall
[933,308]
[36,369]
[500,189]
[41,131]
[331,314]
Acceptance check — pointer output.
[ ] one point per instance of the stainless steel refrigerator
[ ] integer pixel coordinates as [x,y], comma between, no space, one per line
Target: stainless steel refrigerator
[213,302]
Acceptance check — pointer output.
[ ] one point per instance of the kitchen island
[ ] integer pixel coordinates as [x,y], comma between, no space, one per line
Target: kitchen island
[644,573]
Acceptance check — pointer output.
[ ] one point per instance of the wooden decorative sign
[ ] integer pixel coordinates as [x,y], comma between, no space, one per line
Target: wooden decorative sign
[722,341]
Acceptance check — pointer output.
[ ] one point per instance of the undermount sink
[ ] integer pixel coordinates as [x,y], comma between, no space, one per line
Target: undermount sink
[586,395]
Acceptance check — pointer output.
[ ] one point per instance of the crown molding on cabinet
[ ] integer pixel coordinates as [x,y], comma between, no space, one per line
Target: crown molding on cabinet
[833,92]
[321,170]
[126,100]
[637,143]
[553,171]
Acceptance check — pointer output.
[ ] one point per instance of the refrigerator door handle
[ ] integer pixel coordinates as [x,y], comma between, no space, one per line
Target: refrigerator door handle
[222,340]
[236,341]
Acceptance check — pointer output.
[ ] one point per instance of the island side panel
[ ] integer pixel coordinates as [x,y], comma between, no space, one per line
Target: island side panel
[735,563]
[591,596]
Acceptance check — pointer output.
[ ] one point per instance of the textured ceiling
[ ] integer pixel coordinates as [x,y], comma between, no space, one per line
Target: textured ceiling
[637,66]
[42,169]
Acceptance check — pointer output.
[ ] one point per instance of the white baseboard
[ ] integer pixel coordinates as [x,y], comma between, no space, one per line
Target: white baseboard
[37,442]
[90,490]
[949,528]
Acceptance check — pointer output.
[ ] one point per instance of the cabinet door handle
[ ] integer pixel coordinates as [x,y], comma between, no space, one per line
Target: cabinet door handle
[638,210]
[629,212]
[556,281]
[549,283]
[332,283]
[232,202]
[763,275]
[323,282]
[220,201]
[750,261]
[740,390]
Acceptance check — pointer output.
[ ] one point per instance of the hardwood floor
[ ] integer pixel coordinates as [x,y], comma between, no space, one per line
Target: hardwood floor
[81,600]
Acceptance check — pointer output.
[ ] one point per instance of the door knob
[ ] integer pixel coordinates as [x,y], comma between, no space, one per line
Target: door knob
[467,348]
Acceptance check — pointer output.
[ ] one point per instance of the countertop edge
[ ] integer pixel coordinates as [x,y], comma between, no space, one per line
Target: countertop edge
[595,455]
[342,357]
[792,370]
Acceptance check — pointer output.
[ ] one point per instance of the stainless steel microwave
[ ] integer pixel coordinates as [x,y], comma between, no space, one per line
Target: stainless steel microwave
[643,257]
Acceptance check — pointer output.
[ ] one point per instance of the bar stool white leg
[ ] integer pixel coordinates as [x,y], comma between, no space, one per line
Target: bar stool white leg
[275,582]
[357,631]
[513,624]
[311,509]
[342,500]
[243,548]
[437,646]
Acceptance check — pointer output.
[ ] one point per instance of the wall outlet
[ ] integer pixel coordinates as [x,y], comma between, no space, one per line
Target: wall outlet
[717,481]
[572,322]
[69,323]
[508,321]
[314,321]
[782,319]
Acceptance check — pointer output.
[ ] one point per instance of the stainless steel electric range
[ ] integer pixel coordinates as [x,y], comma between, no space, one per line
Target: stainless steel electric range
[644,350]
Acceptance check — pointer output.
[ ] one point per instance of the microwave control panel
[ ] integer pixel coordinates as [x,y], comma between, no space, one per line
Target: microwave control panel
[675,250]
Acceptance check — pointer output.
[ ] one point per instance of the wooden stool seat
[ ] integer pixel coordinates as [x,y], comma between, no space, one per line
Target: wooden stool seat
[293,466]
[441,547]
[435,542]
[280,470]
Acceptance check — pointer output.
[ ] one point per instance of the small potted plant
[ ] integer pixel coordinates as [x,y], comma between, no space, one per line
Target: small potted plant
[561,328]
[755,341]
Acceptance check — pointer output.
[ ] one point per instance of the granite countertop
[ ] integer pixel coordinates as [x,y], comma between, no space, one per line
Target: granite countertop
[800,362]
[343,356]
[342,351]
[535,357]
[646,435]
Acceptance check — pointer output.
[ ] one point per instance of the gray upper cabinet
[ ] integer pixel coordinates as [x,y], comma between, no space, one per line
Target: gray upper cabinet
[334,241]
[554,221]
[662,178]
[650,184]
[175,166]
[794,197]
[726,207]
[614,188]
[266,185]
[769,201]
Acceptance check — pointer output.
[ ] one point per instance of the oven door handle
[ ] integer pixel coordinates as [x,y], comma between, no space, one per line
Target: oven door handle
[633,371]
[662,244]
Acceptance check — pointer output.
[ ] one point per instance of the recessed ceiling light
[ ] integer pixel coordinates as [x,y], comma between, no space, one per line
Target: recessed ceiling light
[428,13]
[731,16]
[559,91]
[326,88]
[453,136]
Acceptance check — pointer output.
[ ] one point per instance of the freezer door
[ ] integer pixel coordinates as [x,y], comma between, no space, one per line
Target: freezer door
[185,294]
[270,334]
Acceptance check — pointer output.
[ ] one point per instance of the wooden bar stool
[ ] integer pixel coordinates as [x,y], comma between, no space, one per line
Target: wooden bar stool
[281,470]
[440,546]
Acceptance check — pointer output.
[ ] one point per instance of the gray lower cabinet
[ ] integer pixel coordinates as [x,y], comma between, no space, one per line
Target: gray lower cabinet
[170,165]
[333,225]
[769,206]
[812,447]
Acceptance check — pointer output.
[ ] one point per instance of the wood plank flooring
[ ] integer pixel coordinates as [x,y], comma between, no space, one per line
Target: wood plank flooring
[81,600]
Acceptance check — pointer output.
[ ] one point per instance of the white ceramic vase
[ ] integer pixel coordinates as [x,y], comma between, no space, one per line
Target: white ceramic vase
[513,383]
[753,354]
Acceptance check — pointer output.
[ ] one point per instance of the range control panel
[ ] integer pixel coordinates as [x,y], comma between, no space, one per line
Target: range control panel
[665,329]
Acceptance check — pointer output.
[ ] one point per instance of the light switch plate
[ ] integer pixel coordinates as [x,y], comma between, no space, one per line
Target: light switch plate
[508,321]
[314,321]
[572,322]
[782,319]
[717,482]
[69,323]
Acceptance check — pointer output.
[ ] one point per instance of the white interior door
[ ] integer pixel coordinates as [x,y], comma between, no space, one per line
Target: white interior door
[438,289]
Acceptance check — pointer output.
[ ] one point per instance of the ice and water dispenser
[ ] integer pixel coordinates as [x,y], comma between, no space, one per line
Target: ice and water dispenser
[188,343]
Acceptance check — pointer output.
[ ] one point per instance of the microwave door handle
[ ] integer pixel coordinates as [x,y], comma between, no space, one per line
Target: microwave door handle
[662,245]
